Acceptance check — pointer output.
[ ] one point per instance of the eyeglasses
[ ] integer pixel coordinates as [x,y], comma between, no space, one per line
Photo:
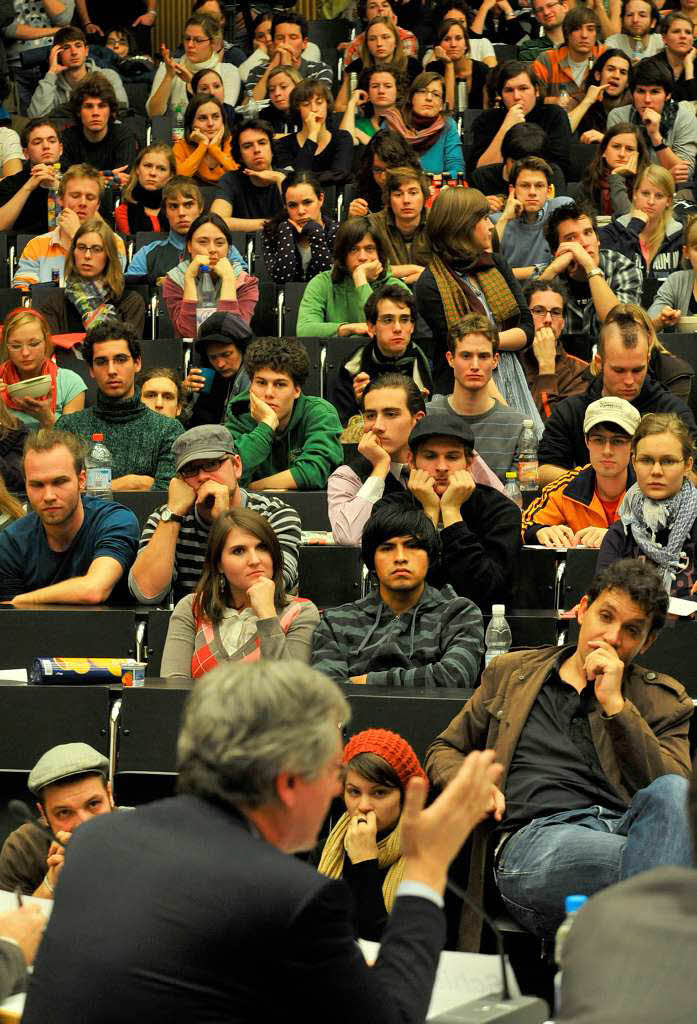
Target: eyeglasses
[556,311]
[192,469]
[388,319]
[665,462]
[437,95]
[614,442]
[82,249]
[198,40]
[18,347]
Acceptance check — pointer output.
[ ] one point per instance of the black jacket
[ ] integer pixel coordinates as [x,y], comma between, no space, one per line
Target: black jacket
[622,235]
[619,543]
[563,443]
[549,116]
[368,359]
[479,553]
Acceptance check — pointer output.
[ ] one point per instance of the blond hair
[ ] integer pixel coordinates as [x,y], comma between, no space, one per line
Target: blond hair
[157,147]
[112,273]
[663,180]
[18,318]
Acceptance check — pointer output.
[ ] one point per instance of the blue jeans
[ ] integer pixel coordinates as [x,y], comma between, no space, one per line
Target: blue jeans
[586,850]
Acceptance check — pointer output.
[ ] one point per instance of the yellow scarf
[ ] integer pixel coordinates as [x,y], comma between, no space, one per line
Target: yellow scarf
[389,856]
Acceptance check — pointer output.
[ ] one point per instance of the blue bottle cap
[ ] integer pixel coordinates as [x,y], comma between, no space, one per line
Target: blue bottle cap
[574,903]
[204,266]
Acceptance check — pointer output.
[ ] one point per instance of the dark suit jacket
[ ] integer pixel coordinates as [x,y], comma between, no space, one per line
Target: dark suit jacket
[176,912]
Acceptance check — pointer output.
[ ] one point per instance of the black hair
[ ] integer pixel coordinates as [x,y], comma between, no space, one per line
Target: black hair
[641,582]
[110,330]
[261,17]
[127,36]
[555,284]
[256,124]
[349,234]
[393,292]
[396,521]
[95,86]
[446,5]
[289,18]
[523,140]
[201,74]
[375,769]
[576,18]
[655,13]
[209,218]
[531,163]
[37,122]
[572,211]
[651,71]
[394,151]
[389,69]
[362,4]
[502,73]
[283,355]
[597,67]
[415,401]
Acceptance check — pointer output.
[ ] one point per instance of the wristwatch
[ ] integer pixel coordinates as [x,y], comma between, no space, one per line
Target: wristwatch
[594,273]
[168,516]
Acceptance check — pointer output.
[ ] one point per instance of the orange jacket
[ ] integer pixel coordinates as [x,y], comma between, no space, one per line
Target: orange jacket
[570,499]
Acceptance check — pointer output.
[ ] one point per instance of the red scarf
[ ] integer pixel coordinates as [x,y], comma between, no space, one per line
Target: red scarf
[9,375]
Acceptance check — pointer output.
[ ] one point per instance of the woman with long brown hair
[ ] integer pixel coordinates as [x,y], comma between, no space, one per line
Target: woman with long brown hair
[382,45]
[465,276]
[240,610]
[26,351]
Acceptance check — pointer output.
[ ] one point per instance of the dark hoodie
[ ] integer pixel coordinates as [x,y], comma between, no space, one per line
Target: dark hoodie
[622,235]
[369,359]
[438,642]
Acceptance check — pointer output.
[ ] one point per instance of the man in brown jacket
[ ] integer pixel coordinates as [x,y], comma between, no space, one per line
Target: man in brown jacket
[595,754]
[551,373]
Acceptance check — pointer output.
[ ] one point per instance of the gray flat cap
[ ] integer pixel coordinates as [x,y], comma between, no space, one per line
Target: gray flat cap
[63,761]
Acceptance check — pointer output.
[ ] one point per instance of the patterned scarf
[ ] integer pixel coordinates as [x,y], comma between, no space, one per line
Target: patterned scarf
[418,138]
[389,856]
[93,300]
[459,298]
[647,518]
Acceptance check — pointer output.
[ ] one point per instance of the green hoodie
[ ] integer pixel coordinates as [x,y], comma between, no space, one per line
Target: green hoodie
[309,446]
[326,304]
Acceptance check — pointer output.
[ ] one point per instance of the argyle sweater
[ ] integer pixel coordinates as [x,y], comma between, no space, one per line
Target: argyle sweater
[140,440]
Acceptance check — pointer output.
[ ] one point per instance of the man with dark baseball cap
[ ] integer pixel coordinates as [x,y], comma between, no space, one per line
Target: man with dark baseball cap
[221,344]
[70,785]
[480,527]
[205,486]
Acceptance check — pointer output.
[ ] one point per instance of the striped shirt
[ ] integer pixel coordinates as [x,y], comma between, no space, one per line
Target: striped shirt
[554,70]
[496,432]
[43,254]
[193,541]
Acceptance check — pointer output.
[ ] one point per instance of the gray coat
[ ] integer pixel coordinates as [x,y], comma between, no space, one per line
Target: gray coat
[53,90]
[675,292]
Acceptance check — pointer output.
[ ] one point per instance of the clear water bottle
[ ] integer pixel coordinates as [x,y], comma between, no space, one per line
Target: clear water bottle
[512,489]
[178,127]
[461,96]
[572,905]
[528,470]
[206,296]
[497,638]
[98,464]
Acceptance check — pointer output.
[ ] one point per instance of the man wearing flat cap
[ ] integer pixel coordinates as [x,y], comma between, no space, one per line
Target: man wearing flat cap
[479,526]
[206,484]
[70,785]
[221,344]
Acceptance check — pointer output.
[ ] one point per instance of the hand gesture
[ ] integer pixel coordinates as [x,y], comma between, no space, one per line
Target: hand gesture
[497,807]
[680,171]
[370,448]
[224,269]
[147,19]
[640,215]
[461,486]
[630,167]
[372,269]
[54,65]
[261,596]
[651,120]
[559,536]
[212,500]
[43,174]
[513,207]
[514,115]
[93,30]
[431,838]
[194,380]
[422,486]
[670,317]
[196,136]
[544,347]
[180,497]
[578,256]
[56,857]
[346,329]
[360,383]
[590,536]
[195,265]
[121,174]
[360,841]
[25,926]
[218,137]
[261,412]
[591,136]
[440,54]
[359,97]
[358,208]
[68,222]
[604,669]
[594,93]
[169,62]
[495,203]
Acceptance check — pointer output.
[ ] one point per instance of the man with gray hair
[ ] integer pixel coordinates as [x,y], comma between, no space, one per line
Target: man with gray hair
[212,921]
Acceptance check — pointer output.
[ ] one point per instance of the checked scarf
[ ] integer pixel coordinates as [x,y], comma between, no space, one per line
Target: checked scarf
[647,518]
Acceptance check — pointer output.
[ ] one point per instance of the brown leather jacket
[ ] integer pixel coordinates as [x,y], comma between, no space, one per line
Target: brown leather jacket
[647,739]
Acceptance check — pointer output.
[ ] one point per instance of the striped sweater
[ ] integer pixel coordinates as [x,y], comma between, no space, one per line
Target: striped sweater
[438,642]
[193,541]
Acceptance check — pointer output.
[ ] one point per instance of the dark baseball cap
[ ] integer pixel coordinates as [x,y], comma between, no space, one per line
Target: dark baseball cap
[439,424]
[223,328]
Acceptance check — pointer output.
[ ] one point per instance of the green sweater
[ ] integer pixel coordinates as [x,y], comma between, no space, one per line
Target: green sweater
[140,440]
[309,446]
[326,304]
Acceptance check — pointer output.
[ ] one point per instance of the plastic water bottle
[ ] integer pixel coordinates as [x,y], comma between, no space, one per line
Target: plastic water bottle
[178,127]
[461,96]
[528,472]
[98,464]
[572,905]
[512,489]
[206,296]
[497,638]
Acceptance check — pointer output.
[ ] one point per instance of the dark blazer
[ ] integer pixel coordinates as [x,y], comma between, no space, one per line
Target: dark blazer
[176,912]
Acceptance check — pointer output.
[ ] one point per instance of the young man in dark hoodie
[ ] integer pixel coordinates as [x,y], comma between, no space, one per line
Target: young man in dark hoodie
[390,314]
[221,344]
[479,526]
[623,361]
[406,633]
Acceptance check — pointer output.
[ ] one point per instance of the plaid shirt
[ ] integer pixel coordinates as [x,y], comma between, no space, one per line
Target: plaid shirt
[625,280]
[553,68]
[410,45]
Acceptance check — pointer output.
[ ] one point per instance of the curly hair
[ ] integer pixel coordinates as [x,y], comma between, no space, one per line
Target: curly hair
[282,355]
[95,86]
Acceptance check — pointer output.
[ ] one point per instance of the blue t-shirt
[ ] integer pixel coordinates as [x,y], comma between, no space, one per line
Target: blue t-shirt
[27,563]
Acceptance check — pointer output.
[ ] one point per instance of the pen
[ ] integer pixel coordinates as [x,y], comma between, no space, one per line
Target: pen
[18,894]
